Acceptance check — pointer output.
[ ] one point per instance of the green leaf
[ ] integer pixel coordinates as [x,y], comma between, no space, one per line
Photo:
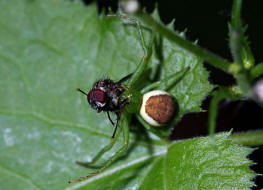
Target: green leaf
[194,86]
[47,50]
[197,164]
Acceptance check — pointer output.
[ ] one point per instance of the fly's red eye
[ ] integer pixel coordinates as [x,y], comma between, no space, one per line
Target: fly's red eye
[96,95]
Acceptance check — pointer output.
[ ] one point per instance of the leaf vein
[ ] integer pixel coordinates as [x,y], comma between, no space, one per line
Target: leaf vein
[22,177]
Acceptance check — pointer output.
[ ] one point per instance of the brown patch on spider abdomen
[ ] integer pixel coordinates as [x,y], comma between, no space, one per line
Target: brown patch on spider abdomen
[160,108]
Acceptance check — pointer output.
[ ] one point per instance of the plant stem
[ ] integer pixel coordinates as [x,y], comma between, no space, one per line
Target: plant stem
[211,58]
[251,138]
[257,71]
[213,114]
[235,37]
[235,45]
[236,10]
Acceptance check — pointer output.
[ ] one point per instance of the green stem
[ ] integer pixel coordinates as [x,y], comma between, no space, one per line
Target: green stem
[236,13]
[256,71]
[218,95]
[251,138]
[235,46]
[193,48]
[243,83]
[235,35]
[213,113]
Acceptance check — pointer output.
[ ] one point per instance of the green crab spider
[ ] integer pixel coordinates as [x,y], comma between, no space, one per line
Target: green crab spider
[129,105]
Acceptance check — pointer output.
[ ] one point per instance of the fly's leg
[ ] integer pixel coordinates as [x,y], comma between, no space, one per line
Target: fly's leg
[118,114]
[114,124]
[121,151]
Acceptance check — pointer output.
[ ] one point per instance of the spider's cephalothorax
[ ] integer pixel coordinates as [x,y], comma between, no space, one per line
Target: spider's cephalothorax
[106,95]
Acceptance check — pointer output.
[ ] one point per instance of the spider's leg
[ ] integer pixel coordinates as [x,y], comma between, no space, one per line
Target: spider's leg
[143,122]
[149,127]
[141,66]
[147,50]
[125,78]
[121,151]
[138,27]
[105,149]
[167,82]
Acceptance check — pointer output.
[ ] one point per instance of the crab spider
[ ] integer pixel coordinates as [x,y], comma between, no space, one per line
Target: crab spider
[109,96]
